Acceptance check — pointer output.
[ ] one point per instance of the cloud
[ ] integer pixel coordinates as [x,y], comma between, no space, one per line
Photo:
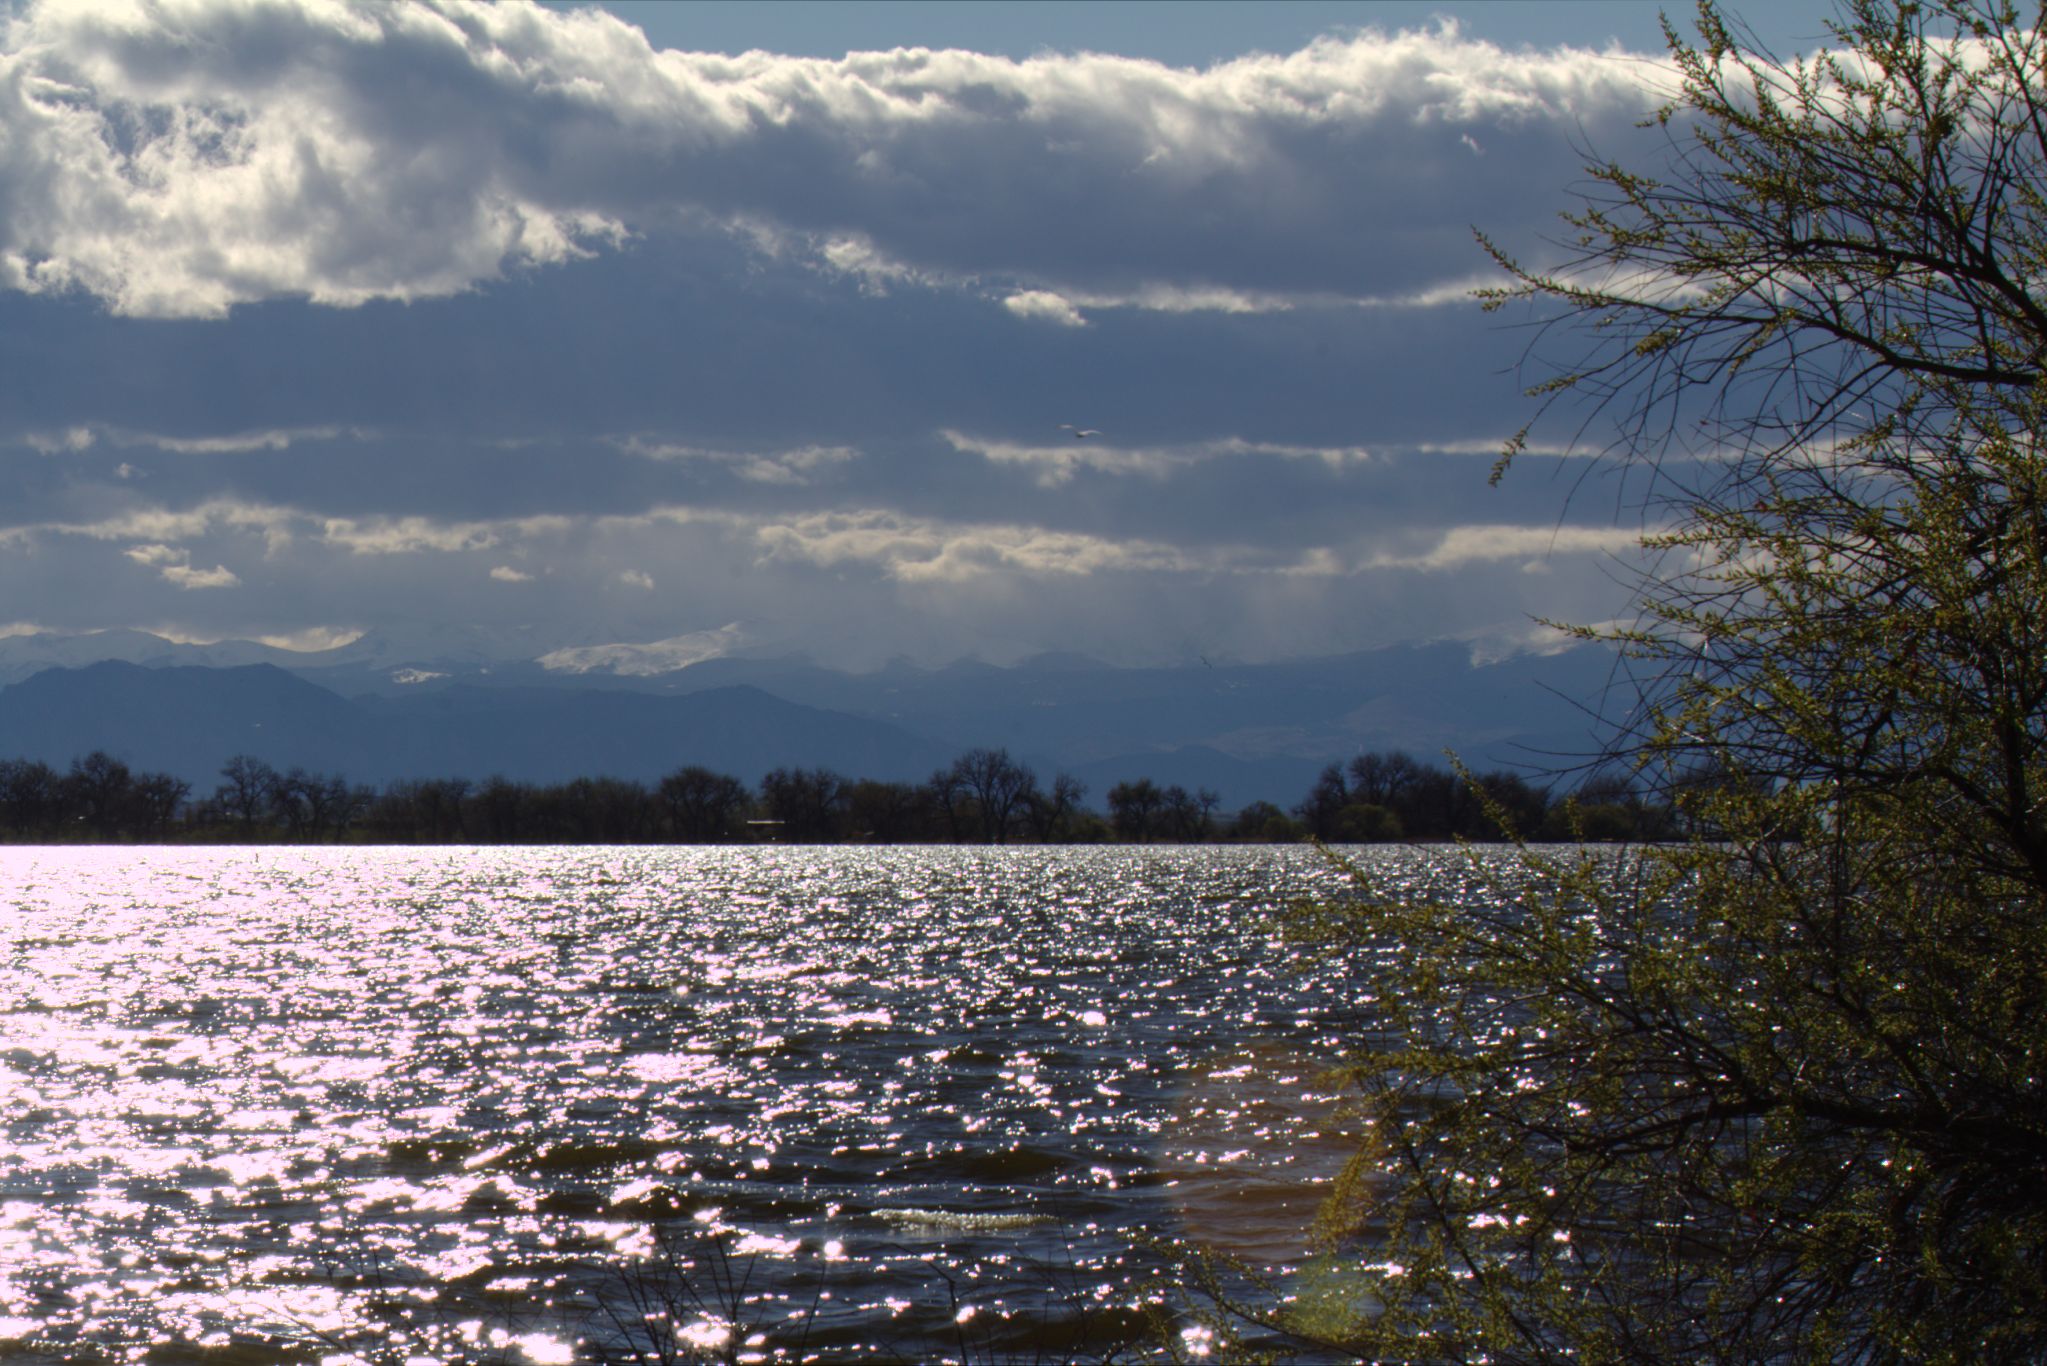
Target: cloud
[312,639]
[175,566]
[1371,561]
[787,337]
[916,549]
[1534,545]
[175,159]
[1056,463]
[1046,306]
[156,526]
[275,440]
[71,439]
[644,660]
[185,576]
[408,535]
[788,467]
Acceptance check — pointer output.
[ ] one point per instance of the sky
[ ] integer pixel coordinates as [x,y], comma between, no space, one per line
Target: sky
[684,329]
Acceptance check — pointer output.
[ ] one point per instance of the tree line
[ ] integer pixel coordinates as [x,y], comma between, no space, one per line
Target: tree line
[984,796]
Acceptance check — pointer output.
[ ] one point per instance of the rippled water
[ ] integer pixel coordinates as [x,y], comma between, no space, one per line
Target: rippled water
[555,1105]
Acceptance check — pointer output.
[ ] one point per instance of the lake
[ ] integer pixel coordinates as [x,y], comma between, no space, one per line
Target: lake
[613,1104]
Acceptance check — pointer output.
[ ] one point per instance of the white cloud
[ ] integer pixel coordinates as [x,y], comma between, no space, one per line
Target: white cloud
[918,549]
[645,660]
[1045,306]
[159,525]
[637,578]
[175,565]
[311,639]
[275,440]
[185,576]
[408,535]
[178,157]
[1056,463]
[788,467]
[794,467]
[1534,545]
[504,573]
[70,439]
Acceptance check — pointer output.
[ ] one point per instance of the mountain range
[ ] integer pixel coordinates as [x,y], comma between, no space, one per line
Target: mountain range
[1248,731]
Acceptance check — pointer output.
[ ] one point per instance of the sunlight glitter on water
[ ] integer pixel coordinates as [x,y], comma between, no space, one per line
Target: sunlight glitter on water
[292,1097]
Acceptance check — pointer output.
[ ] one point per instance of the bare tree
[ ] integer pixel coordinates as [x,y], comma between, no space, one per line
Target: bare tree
[1000,787]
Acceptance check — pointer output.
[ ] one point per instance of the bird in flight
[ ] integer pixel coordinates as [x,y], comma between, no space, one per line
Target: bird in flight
[1079,433]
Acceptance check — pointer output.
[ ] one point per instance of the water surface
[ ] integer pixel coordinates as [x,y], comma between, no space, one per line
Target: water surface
[569,1104]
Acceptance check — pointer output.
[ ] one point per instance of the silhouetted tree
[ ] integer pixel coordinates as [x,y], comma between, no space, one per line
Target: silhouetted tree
[244,793]
[704,807]
[808,802]
[427,810]
[1265,823]
[1000,786]
[29,798]
[1051,814]
[949,793]
[1185,814]
[501,811]
[1322,809]
[1134,808]
[889,813]
[1382,779]
[98,789]
[157,797]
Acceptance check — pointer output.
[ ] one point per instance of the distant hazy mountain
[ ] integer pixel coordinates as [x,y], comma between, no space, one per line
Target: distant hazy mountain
[369,662]
[188,721]
[1243,726]
[1257,731]
[181,720]
[23,655]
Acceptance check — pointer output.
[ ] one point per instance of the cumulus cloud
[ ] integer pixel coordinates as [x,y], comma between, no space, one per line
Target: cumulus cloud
[637,578]
[504,573]
[177,158]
